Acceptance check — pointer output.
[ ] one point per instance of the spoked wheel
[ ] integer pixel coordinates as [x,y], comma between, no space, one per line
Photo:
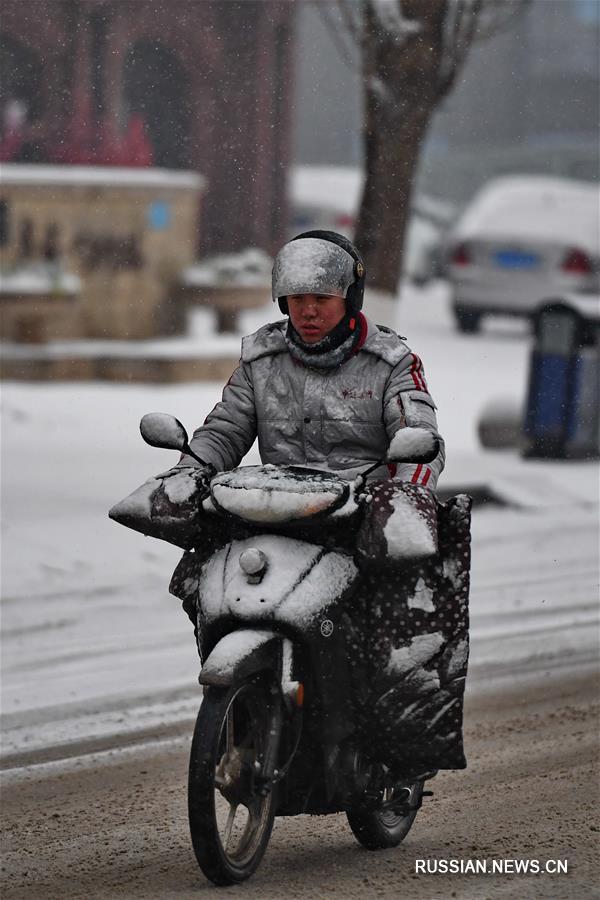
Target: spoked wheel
[388,825]
[230,820]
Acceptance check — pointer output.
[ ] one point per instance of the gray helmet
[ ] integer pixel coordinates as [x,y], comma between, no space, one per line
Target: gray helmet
[312,265]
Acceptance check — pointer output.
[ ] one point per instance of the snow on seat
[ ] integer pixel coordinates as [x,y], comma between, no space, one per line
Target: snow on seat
[277,494]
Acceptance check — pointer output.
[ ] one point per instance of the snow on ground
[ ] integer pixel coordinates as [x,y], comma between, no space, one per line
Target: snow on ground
[92,643]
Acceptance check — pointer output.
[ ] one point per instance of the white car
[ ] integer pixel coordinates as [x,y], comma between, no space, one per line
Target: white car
[522,240]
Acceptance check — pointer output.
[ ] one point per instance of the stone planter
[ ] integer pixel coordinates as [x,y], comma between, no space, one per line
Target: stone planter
[228,300]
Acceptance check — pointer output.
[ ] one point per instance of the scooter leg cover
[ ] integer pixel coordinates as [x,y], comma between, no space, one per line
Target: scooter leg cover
[399,524]
[168,506]
[417,626]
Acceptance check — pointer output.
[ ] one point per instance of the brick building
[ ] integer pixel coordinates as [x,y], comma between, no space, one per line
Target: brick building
[211,81]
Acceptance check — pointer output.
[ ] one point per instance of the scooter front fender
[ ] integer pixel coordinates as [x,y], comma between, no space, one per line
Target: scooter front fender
[240,654]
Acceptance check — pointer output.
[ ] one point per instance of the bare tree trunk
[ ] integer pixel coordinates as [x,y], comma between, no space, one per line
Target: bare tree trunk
[392,156]
[402,91]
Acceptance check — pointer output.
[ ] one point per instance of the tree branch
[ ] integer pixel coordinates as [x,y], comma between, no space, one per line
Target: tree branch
[466,18]
[349,19]
[501,16]
[474,20]
[346,53]
[392,22]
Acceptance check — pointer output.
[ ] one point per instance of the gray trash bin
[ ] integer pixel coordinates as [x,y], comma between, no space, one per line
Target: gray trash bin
[563,400]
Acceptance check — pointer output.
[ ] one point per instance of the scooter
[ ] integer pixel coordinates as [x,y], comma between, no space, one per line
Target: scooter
[279,726]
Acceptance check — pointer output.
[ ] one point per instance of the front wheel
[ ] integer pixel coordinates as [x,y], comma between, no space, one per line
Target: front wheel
[380,829]
[230,817]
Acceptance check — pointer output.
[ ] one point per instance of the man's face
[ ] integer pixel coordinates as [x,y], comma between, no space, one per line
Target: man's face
[315,315]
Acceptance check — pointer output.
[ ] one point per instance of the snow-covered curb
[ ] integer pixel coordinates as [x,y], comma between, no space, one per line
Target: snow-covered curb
[40,175]
[33,281]
[163,348]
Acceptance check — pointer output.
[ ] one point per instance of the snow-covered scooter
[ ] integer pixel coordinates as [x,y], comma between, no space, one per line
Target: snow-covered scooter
[270,578]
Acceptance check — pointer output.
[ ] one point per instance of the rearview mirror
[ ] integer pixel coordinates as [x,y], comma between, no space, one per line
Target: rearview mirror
[413,445]
[163,430]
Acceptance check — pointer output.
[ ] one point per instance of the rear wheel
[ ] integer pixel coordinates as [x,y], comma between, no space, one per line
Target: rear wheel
[230,819]
[380,829]
[467,320]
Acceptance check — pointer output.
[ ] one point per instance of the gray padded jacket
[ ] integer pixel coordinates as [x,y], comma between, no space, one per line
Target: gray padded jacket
[339,419]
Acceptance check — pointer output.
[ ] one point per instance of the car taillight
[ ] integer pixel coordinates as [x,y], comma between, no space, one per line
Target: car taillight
[461,255]
[576,262]
[345,221]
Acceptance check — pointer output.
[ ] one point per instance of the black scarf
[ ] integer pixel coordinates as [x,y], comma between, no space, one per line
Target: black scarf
[332,350]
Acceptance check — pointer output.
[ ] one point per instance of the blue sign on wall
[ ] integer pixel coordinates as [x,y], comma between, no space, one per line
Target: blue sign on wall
[159,215]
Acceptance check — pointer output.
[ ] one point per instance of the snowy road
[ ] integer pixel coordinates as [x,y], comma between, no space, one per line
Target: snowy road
[114,825]
[97,656]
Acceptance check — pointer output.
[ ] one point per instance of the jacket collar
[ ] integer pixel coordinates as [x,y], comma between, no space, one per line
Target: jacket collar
[267,341]
[384,343]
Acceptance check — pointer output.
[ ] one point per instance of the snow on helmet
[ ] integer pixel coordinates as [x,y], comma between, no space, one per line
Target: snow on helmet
[319,262]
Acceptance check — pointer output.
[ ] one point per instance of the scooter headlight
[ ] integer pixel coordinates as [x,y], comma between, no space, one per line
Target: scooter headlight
[253,564]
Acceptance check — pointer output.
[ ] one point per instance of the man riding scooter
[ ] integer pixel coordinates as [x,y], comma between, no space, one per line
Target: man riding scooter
[332,568]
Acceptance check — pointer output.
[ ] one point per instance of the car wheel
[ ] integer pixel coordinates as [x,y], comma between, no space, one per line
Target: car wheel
[467,320]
